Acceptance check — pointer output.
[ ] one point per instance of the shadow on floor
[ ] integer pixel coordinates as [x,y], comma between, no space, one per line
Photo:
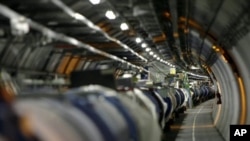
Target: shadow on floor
[171,135]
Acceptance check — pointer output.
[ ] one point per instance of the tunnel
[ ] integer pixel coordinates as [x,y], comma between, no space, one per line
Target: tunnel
[47,44]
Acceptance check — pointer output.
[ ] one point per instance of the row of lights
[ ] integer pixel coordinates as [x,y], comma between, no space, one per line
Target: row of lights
[9,13]
[148,49]
[124,26]
[110,15]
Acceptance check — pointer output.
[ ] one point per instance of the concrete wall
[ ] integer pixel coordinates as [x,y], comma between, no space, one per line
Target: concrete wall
[230,107]
[235,107]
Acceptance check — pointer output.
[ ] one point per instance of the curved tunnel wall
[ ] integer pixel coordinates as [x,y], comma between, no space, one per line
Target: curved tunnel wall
[230,107]
[241,56]
[235,108]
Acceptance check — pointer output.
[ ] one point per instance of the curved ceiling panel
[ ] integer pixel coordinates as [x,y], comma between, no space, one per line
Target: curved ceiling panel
[180,33]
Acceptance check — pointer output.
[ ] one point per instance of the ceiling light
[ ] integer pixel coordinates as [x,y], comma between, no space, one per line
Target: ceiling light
[148,49]
[124,26]
[158,58]
[95,2]
[138,40]
[155,56]
[151,53]
[143,45]
[110,15]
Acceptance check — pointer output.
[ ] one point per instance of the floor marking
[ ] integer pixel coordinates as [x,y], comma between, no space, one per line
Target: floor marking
[193,133]
[191,127]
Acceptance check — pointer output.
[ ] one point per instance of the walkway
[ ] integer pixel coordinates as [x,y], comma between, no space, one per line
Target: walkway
[194,125]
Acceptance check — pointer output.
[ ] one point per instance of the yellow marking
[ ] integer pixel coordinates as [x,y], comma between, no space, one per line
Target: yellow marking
[243,102]
[63,64]
[72,64]
[217,115]
[159,38]
[224,59]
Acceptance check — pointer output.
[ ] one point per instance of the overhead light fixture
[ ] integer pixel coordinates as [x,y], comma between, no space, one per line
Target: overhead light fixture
[95,2]
[110,15]
[151,53]
[124,26]
[155,56]
[158,58]
[138,40]
[147,49]
[143,45]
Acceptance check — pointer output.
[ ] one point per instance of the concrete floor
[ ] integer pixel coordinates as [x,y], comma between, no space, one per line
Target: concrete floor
[195,124]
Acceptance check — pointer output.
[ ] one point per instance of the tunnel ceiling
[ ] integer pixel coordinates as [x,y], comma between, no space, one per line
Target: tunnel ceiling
[180,33]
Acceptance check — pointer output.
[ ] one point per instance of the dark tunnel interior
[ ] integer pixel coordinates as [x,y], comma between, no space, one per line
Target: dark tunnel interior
[174,46]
